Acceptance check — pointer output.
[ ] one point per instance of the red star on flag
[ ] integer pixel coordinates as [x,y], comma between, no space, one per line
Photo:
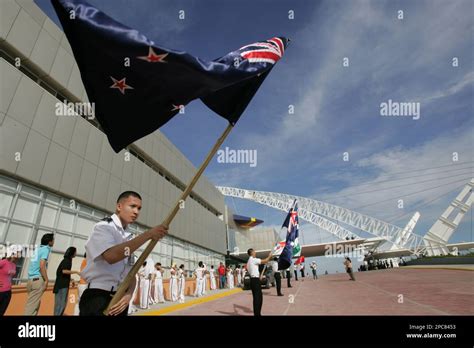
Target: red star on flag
[153,57]
[120,85]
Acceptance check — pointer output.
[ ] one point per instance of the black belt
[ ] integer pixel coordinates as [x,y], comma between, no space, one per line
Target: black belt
[34,279]
[112,289]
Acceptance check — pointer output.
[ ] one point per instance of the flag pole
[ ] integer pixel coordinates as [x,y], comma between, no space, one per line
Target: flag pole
[125,284]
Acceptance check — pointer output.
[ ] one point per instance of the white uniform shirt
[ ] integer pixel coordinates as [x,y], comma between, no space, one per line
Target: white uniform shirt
[180,274]
[98,272]
[158,274]
[199,272]
[252,266]
[211,272]
[274,266]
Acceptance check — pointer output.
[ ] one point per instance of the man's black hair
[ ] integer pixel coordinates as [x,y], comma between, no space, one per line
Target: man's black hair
[48,237]
[249,251]
[127,194]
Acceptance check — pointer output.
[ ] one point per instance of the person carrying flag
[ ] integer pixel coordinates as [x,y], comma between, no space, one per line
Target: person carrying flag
[252,267]
[109,256]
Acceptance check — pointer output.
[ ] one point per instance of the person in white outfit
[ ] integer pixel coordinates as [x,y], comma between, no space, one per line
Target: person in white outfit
[158,281]
[174,283]
[149,271]
[239,275]
[131,306]
[144,286]
[213,278]
[243,272]
[230,277]
[199,272]
[204,278]
[181,284]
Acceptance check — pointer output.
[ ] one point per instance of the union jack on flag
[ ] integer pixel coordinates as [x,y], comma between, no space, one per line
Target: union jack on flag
[269,51]
[291,243]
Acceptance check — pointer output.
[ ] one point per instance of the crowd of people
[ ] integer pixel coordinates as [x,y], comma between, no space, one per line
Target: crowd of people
[109,258]
[148,289]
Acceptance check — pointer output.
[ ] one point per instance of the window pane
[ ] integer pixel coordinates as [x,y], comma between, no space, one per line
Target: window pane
[80,245]
[3,224]
[100,215]
[50,198]
[5,203]
[18,234]
[25,210]
[85,209]
[8,183]
[84,226]
[30,190]
[48,217]
[61,242]
[66,221]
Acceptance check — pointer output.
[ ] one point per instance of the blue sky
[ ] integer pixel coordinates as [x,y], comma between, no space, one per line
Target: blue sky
[337,109]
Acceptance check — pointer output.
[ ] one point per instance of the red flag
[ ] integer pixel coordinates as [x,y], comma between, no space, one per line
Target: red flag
[299,260]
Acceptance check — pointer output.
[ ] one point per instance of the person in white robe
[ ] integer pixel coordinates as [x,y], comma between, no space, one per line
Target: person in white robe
[174,283]
[212,277]
[181,284]
[199,273]
[158,282]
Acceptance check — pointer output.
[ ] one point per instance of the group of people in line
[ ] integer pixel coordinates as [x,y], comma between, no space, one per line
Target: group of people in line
[149,283]
[148,289]
[109,258]
[38,277]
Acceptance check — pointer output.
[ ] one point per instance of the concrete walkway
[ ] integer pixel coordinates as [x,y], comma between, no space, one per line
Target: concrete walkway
[402,291]
[169,306]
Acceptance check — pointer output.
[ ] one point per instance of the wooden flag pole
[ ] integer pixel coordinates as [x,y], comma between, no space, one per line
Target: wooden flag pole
[125,284]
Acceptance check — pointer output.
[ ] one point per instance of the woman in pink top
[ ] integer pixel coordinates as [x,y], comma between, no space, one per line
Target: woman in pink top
[7,271]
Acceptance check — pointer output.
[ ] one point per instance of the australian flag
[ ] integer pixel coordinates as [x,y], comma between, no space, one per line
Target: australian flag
[291,223]
[137,86]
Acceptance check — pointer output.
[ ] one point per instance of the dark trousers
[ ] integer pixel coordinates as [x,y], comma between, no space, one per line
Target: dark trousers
[222,282]
[5,297]
[278,282]
[288,277]
[256,295]
[351,274]
[95,301]
[296,275]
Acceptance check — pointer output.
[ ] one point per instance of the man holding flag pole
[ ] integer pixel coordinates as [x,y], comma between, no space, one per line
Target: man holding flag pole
[290,248]
[137,86]
[252,267]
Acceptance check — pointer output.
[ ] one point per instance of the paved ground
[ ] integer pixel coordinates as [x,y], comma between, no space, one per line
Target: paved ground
[403,291]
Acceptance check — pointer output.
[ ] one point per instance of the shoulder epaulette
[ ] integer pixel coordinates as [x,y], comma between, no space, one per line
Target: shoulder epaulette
[107,218]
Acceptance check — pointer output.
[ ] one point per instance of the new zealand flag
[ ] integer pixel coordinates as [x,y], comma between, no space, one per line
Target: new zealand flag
[138,86]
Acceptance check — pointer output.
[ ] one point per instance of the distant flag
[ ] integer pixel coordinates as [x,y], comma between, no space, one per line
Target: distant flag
[138,86]
[278,249]
[291,223]
[299,260]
